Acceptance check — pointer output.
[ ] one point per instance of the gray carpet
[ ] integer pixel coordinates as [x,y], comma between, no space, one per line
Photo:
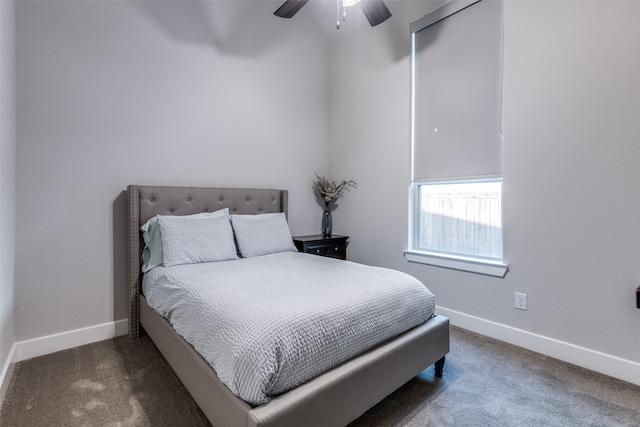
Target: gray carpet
[119,382]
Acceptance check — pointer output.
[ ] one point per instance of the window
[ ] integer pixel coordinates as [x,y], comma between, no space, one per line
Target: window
[456,138]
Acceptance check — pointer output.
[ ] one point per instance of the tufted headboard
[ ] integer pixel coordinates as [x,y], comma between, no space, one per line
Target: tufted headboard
[147,201]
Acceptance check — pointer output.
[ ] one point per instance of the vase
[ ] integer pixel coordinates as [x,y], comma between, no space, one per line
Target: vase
[327,222]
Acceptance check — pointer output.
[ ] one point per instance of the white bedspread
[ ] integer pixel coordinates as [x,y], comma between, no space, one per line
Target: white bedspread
[270,323]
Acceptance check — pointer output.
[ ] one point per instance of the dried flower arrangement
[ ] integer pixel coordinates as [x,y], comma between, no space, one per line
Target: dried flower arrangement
[328,192]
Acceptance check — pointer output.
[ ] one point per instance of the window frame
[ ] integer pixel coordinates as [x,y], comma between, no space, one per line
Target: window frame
[475,264]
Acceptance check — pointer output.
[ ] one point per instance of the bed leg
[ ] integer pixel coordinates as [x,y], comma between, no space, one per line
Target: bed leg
[439,366]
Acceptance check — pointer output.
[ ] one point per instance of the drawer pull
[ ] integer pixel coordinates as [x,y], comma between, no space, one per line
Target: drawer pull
[336,248]
[317,251]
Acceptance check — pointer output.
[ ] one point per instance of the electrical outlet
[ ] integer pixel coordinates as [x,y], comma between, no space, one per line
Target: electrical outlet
[521,301]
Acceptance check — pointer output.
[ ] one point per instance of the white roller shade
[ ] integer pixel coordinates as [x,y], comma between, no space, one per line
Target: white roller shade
[457,91]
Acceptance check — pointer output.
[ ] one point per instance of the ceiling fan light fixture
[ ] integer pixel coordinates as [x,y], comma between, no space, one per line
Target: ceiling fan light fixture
[345,5]
[375,10]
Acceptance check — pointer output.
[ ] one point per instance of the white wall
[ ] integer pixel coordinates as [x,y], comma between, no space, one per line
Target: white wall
[572,150]
[7,188]
[173,93]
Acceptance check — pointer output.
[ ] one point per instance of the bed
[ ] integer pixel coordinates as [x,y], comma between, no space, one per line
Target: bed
[333,398]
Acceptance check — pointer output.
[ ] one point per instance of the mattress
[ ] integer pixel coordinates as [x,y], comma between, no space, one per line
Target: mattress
[270,323]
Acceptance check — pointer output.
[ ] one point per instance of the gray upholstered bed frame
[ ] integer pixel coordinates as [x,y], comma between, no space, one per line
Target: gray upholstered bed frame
[332,399]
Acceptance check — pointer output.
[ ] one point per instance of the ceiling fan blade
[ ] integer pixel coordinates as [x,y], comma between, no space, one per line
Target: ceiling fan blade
[375,11]
[290,8]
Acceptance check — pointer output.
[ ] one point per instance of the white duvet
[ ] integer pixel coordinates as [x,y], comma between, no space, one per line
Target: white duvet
[270,323]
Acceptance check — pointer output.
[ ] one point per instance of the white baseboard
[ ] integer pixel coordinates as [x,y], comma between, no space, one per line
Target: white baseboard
[607,364]
[51,343]
[7,372]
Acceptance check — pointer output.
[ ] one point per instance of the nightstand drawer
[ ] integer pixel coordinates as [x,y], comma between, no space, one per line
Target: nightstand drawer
[335,251]
[316,249]
[334,246]
[338,250]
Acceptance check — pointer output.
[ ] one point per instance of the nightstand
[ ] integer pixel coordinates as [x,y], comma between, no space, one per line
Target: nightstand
[334,246]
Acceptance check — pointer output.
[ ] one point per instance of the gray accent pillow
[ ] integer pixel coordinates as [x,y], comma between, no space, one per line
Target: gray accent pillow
[152,252]
[187,240]
[262,234]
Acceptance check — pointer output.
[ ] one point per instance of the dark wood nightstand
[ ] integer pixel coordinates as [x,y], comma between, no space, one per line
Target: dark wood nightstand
[334,246]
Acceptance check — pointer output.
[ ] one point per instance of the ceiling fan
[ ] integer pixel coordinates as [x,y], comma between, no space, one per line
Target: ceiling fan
[375,10]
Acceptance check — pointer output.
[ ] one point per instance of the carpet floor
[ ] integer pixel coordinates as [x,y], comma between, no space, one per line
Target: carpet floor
[119,382]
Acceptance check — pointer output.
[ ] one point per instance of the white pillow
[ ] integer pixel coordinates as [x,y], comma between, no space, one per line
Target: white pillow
[262,234]
[188,240]
[152,252]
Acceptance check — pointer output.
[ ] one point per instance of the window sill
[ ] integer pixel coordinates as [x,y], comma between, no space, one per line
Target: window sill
[473,265]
